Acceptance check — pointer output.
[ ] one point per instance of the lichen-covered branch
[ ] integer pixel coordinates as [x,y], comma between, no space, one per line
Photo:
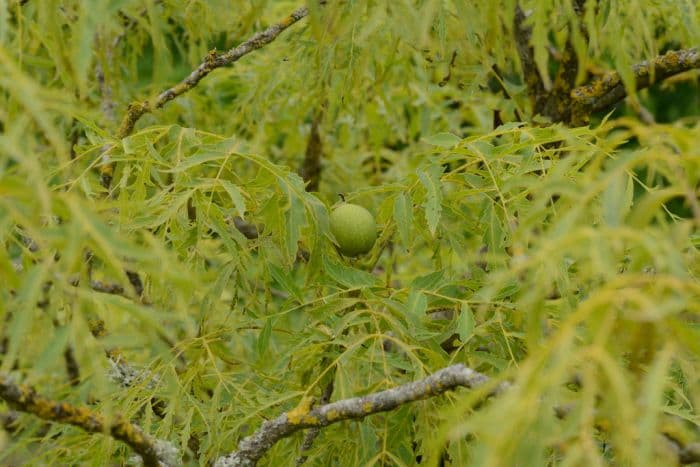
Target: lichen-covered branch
[8,420]
[253,447]
[213,61]
[573,105]
[609,89]
[313,433]
[554,102]
[122,372]
[23,398]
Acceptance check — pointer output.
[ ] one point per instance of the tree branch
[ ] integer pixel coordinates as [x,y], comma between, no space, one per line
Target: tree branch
[609,89]
[533,80]
[557,104]
[313,433]
[213,61]
[689,454]
[310,169]
[249,231]
[253,447]
[154,452]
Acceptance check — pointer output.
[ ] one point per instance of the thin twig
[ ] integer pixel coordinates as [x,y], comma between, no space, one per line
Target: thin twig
[499,78]
[642,112]
[253,447]
[448,76]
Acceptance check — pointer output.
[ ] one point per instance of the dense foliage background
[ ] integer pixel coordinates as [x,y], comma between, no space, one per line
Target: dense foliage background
[182,277]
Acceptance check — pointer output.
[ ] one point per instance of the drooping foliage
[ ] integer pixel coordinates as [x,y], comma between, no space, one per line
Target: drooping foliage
[562,259]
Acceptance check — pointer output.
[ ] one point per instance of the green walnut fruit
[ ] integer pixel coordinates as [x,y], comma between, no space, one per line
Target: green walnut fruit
[354,229]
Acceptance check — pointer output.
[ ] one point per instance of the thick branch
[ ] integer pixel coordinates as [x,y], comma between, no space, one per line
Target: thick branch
[211,62]
[557,104]
[253,447]
[533,80]
[136,110]
[689,454]
[153,452]
[310,169]
[609,89]
[313,433]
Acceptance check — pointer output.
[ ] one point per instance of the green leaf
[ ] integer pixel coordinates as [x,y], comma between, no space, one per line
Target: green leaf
[214,293]
[236,197]
[349,277]
[295,220]
[430,282]
[53,350]
[507,290]
[415,309]
[443,140]
[83,39]
[650,205]
[24,312]
[430,179]
[4,21]
[198,159]
[403,215]
[285,279]
[504,127]
[617,199]
[150,318]
[465,323]
[539,42]
[417,304]
[653,401]
[493,234]
[263,341]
